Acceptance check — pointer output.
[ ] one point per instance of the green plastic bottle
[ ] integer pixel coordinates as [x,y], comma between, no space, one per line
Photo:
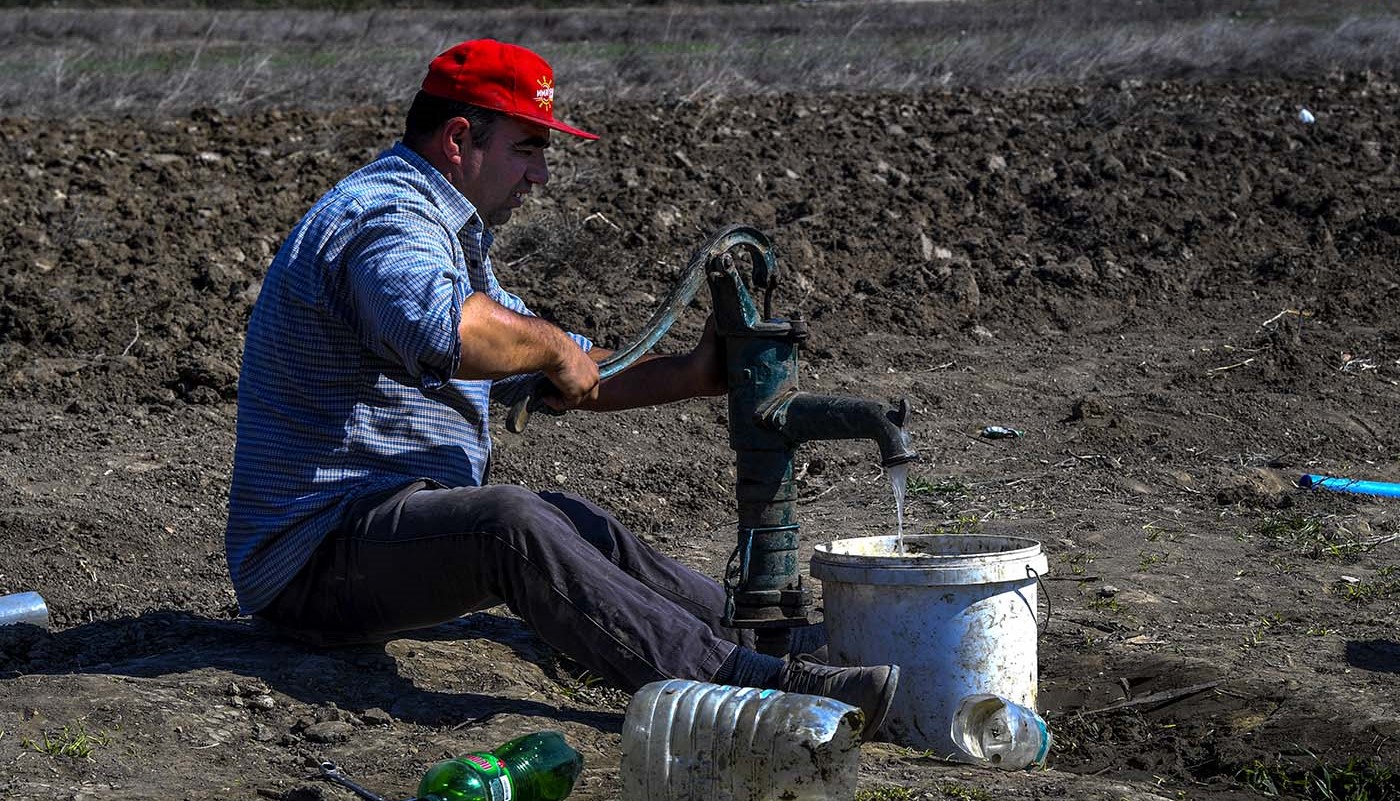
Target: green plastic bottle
[536,767]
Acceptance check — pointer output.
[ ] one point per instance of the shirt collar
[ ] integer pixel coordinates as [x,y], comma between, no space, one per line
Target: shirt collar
[456,210]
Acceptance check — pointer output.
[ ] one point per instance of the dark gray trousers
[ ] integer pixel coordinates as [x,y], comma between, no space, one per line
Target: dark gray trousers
[424,554]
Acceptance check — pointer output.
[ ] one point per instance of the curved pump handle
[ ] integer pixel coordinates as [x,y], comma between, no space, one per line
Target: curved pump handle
[720,243]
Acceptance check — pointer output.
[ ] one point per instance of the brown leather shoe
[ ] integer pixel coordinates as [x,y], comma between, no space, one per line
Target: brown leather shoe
[869,688]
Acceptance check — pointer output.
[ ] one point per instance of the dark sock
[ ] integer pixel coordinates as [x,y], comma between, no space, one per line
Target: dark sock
[748,668]
[807,639]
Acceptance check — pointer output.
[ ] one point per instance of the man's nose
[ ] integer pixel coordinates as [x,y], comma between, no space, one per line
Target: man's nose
[538,171]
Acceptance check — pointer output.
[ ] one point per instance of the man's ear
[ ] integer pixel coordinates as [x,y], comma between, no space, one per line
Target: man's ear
[455,139]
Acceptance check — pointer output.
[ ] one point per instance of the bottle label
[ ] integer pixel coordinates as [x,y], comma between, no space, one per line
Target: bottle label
[494,776]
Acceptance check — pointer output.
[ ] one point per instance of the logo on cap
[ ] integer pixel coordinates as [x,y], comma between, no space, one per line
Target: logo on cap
[545,94]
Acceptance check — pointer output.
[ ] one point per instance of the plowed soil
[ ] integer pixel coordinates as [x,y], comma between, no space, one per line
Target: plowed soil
[1184,297]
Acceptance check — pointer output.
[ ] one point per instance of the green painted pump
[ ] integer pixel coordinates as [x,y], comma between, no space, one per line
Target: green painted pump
[768,418]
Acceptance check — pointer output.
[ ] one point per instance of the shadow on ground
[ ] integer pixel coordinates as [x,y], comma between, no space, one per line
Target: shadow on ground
[163,643]
[1380,656]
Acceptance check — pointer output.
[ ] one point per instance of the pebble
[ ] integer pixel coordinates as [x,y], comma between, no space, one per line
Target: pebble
[264,702]
[1107,591]
[332,731]
[375,716]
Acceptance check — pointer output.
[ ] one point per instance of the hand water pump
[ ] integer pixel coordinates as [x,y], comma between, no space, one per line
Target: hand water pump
[768,418]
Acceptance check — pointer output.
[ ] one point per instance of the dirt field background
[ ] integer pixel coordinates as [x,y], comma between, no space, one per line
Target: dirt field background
[1184,296]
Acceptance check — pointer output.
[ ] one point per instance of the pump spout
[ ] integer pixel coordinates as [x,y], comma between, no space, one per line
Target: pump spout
[803,416]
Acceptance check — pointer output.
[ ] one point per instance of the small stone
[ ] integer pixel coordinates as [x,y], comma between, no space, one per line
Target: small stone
[332,731]
[1107,591]
[996,163]
[375,716]
[264,702]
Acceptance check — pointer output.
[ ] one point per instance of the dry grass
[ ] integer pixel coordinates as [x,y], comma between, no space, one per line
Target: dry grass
[140,61]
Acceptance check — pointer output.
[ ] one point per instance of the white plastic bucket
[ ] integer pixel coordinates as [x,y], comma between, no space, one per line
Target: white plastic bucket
[956,613]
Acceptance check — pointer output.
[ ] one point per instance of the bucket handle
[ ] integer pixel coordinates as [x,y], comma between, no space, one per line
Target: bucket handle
[1044,593]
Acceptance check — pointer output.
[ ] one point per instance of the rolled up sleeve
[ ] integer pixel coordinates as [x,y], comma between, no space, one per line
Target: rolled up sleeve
[406,293]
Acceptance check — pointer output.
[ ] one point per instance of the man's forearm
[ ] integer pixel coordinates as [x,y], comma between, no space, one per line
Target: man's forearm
[497,342]
[653,380]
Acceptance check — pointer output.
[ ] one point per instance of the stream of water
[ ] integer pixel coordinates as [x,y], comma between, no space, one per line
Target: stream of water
[899,474]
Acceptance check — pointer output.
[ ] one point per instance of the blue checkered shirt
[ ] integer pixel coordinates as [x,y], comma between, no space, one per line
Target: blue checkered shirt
[347,384]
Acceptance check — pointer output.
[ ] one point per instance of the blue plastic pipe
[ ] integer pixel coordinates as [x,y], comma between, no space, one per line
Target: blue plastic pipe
[1358,486]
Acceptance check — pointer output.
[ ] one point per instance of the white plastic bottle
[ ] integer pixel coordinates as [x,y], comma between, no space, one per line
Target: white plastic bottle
[999,732]
[693,741]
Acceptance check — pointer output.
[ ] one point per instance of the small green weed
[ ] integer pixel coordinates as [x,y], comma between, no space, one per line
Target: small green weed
[71,741]
[964,793]
[1106,605]
[1310,537]
[917,486]
[885,792]
[574,688]
[1149,559]
[1079,562]
[962,524]
[1357,780]
[1256,634]
[1360,593]
[1156,533]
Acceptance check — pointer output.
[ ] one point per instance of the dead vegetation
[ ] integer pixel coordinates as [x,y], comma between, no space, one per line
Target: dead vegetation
[324,55]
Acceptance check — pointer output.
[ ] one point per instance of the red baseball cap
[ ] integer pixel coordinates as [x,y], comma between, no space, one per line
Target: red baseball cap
[499,76]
